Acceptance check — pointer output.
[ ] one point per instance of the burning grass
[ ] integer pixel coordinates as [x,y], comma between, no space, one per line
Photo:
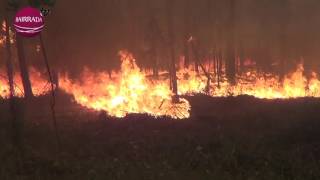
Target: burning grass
[128,91]
[131,90]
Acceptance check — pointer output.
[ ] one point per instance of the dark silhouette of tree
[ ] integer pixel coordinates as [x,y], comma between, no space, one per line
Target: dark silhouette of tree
[23,67]
[173,75]
[230,52]
[14,5]
[153,36]
[283,36]
[186,33]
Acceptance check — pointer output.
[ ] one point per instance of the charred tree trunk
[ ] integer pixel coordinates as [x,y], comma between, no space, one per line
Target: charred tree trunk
[23,68]
[173,72]
[197,59]
[9,57]
[284,51]
[212,42]
[16,110]
[186,54]
[283,60]
[154,47]
[196,66]
[241,56]
[51,78]
[131,40]
[218,40]
[219,68]
[14,124]
[230,54]
[155,69]
[186,34]
[154,32]
[284,17]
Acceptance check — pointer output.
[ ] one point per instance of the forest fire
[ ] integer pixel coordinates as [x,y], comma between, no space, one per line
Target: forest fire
[128,91]
[132,91]
[269,86]
[259,85]
[162,89]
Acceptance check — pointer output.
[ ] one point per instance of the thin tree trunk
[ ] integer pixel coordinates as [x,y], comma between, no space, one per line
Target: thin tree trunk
[23,68]
[212,20]
[284,46]
[241,56]
[53,94]
[16,110]
[230,56]
[197,60]
[186,54]
[155,60]
[172,51]
[196,66]
[9,57]
[219,62]
[154,40]
[187,34]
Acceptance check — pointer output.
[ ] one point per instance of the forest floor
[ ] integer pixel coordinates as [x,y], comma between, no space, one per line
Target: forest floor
[226,138]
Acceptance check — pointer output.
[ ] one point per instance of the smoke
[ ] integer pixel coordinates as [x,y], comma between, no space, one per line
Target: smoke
[90,33]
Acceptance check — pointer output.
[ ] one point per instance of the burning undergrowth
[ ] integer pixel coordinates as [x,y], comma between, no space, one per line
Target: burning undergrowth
[128,91]
[39,82]
[132,90]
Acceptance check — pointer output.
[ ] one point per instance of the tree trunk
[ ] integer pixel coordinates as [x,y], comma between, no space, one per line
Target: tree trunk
[186,34]
[16,107]
[154,31]
[172,51]
[241,56]
[283,20]
[212,22]
[186,54]
[219,68]
[230,56]
[23,68]
[155,68]
[196,65]
[9,57]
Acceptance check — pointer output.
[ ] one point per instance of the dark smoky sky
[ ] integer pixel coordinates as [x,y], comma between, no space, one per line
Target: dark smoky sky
[90,33]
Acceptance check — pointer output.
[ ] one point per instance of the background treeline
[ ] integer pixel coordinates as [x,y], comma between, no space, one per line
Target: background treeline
[270,32]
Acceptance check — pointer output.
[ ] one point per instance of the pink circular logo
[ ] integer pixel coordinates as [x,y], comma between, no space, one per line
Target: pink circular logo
[29,22]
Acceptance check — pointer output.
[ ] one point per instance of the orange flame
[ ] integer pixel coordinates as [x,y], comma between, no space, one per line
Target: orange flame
[129,91]
[260,85]
[132,91]
[269,86]
[40,85]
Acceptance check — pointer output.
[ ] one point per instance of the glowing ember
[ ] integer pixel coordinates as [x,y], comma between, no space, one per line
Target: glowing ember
[128,91]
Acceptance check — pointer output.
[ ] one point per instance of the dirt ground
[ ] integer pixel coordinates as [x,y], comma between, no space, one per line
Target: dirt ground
[226,138]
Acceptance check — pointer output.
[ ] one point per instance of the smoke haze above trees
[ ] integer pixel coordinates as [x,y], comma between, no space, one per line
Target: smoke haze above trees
[90,33]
